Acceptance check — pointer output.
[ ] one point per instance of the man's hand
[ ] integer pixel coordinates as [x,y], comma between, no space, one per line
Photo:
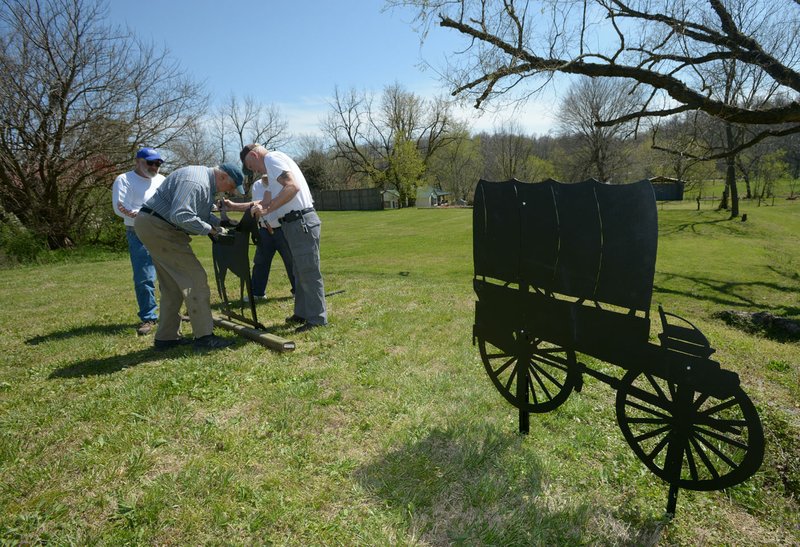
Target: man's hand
[215,233]
[257,210]
[126,212]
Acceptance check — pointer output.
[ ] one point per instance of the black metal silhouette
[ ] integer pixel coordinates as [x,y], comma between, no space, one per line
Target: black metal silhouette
[230,253]
[562,269]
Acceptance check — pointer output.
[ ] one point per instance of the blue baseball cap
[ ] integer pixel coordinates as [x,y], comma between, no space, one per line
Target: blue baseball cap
[236,174]
[148,154]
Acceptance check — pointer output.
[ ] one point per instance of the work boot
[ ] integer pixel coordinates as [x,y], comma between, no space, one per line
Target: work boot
[145,327]
[295,319]
[211,341]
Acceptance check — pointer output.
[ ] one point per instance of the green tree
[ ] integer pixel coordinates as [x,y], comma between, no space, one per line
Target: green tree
[405,170]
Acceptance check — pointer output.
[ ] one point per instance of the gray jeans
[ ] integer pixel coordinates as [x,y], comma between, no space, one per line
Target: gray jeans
[303,238]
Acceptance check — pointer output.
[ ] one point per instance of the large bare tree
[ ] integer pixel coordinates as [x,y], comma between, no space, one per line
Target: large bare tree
[601,153]
[76,99]
[243,121]
[388,141]
[672,48]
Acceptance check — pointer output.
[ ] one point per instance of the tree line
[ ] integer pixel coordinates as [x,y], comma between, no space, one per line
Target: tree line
[692,93]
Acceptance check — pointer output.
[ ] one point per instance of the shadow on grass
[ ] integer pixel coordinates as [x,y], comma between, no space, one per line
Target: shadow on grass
[109,330]
[725,224]
[477,487]
[725,293]
[108,365]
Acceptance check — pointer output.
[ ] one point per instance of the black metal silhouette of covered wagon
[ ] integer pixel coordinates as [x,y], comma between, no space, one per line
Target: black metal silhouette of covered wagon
[567,269]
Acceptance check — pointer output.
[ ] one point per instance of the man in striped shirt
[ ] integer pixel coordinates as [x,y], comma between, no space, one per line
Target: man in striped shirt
[180,208]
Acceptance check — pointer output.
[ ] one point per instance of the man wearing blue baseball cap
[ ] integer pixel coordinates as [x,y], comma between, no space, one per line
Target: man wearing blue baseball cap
[129,192]
[180,208]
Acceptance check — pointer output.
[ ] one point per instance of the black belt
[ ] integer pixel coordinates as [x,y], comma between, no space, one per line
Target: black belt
[291,216]
[149,211]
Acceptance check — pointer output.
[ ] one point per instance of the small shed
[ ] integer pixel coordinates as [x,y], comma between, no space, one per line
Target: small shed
[391,199]
[667,189]
[428,196]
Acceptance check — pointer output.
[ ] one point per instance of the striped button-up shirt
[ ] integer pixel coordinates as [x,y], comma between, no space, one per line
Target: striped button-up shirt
[185,199]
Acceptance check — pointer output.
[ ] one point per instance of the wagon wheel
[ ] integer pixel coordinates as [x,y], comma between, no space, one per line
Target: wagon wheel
[688,438]
[551,372]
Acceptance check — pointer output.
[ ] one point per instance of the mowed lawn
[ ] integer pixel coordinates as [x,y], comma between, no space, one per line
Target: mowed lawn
[382,429]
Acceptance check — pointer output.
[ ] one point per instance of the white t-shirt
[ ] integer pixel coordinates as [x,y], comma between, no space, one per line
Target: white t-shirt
[276,163]
[132,190]
[257,191]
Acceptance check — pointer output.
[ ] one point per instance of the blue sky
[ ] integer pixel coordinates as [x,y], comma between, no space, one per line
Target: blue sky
[317,45]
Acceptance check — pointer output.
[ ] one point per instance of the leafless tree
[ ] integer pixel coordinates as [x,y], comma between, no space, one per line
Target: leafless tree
[242,121]
[601,153]
[377,137]
[76,99]
[505,152]
[193,147]
[681,147]
[672,48]
[322,169]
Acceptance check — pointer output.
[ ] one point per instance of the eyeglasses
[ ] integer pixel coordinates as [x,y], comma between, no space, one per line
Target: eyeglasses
[154,163]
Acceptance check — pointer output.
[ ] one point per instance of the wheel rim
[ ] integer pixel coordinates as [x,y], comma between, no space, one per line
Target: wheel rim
[710,443]
[549,370]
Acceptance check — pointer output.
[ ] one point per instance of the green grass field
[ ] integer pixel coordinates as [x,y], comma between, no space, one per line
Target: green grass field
[382,429]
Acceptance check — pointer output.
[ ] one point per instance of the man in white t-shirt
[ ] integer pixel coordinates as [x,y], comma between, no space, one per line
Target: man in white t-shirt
[293,207]
[270,238]
[129,192]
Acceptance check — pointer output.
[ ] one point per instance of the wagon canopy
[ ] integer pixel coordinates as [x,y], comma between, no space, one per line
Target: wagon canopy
[587,240]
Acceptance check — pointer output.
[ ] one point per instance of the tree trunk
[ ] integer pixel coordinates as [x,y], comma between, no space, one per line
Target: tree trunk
[730,174]
[723,204]
[731,184]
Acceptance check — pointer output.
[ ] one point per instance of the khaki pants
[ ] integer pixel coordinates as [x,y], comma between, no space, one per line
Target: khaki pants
[181,278]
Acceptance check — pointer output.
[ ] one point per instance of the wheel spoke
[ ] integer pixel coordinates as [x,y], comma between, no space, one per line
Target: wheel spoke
[658,448]
[727,440]
[717,452]
[559,364]
[704,458]
[647,409]
[734,427]
[703,397]
[722,406]
[532,372]
[535,367]
[653,433]
[656,387]
[644,396]
[646,420]
[504,366]
[511,379]
[691,463]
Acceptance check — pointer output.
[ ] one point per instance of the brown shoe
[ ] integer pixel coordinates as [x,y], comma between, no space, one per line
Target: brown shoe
[145,327]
